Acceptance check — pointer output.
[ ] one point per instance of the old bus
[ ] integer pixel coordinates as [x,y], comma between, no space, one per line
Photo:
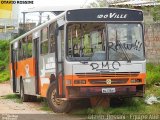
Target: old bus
[93,53]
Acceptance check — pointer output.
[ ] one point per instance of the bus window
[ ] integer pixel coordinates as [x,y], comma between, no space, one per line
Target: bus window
[86,41]
[24,48]
[62,43]
[20,51]
[29,46]
[52,38]
[44,41]
[125,41]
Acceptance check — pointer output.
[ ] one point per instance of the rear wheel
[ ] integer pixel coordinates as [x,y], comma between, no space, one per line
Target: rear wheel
[56,104]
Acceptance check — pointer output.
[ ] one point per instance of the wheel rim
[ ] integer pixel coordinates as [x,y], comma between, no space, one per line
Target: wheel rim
[56,101]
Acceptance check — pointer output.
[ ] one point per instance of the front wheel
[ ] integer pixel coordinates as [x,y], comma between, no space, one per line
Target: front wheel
[56,104]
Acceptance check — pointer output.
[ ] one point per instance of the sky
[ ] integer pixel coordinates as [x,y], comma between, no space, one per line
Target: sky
[41,3]
[44,3]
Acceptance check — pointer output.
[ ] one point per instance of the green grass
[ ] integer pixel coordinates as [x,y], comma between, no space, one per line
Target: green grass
[45,106]
[134,106]
[153,74]
[13,97]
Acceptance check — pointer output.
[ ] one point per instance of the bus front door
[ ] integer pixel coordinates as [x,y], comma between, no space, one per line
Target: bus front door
[59,64]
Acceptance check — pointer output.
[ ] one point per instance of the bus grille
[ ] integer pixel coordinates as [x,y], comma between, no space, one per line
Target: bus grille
[104,81]
[120,74]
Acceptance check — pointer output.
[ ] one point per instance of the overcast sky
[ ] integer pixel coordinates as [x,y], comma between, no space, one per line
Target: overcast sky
[33,17]
[53,3]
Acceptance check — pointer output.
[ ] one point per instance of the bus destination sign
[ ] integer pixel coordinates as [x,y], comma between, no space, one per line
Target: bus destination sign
[104,14]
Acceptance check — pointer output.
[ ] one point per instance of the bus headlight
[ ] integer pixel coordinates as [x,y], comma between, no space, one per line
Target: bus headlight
[79,81]
[136,80]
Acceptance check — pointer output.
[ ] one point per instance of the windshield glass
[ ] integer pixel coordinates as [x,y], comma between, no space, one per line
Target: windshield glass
[102,41]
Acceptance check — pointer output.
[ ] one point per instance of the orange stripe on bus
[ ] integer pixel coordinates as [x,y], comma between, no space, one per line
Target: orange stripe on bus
[72,78]
[24,68]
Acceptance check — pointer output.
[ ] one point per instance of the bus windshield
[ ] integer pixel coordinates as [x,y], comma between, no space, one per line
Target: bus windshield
[104,41]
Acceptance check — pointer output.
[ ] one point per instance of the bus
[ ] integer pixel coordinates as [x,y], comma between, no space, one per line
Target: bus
[93,53]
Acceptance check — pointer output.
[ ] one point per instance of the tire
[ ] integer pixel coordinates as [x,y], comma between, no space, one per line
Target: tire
[57,105]
[24,97]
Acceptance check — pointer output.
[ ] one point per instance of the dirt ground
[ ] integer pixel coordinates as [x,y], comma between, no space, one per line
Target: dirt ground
[10,109]
[11,106]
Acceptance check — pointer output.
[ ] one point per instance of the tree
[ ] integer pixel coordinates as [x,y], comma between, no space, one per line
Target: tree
[98,3]
[155,11]
[104,3]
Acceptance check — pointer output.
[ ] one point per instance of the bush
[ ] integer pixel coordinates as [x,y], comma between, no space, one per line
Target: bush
[4,60]
[153,74]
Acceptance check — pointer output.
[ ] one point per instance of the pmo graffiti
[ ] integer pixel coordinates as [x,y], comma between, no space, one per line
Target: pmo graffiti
[105,66]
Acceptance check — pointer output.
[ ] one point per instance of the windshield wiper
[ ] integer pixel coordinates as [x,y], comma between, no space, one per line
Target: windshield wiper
[124,52]
[123,49]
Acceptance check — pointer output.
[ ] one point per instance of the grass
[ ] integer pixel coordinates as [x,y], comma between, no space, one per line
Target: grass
[16,98]
[134,106]
[45,106]
[13,97]
[153,74]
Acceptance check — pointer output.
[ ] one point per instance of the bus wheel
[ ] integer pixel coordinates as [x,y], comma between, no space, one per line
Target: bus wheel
[56,104]
[24,97]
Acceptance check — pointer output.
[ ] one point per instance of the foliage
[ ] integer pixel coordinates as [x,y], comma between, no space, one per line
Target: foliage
[21,32]
[4,76]
[156,13]
[153,74]
[4,60]
[97,3]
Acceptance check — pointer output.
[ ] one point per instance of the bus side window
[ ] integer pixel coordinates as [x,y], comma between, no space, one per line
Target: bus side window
[24,48]
[44,41]
[52,37]
[52,44]
[29,46]
[20,54]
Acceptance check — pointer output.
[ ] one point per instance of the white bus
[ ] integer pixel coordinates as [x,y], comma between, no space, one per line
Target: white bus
[93,53]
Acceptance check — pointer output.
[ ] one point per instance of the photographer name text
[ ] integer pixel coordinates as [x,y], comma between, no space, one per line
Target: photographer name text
[17,2]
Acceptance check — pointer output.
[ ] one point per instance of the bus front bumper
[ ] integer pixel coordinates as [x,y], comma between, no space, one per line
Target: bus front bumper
[112,91]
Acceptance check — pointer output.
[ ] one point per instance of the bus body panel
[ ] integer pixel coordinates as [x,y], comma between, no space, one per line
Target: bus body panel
[46,67]
[25,71]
